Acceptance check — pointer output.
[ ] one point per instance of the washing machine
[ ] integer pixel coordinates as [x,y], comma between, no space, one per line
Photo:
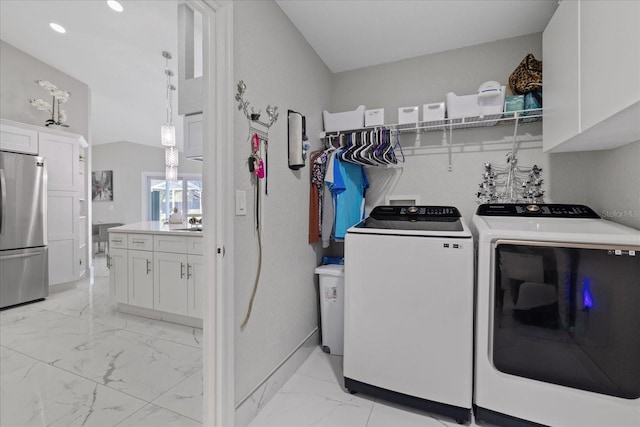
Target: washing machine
[408,334]
[557,337]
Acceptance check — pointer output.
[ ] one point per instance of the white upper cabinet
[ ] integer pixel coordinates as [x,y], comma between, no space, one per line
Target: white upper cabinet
[18,139]
[561,67]
[193,136]
[591,54]
[609,59]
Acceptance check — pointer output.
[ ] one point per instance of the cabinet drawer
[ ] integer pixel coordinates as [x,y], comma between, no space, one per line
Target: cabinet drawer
[174,244]
[118,240]
[142,242]
[195,245]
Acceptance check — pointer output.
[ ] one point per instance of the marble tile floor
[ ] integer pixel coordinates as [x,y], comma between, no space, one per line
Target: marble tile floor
[74,360]
[315,396]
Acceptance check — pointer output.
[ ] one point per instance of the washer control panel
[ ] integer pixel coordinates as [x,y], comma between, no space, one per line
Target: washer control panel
[414,213]
[536,210]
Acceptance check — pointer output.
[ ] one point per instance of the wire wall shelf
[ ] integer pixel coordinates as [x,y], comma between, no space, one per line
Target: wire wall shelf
[512,117]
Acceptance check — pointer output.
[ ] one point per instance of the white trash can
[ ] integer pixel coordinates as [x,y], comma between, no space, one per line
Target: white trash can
[332,307]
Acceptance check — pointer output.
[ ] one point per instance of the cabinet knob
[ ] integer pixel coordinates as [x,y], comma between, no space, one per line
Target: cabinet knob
[181,270]
[148,266]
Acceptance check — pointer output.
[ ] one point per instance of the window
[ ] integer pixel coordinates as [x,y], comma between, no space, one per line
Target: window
[163,196]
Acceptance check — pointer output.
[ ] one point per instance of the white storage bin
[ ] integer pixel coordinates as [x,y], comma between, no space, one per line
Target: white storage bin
[332,307]
[343,121]
[473,108]
[433,112]
[408,115]
[374,117]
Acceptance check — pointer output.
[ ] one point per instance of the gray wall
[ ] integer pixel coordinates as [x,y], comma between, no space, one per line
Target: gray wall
[607,180]
[614,184]
[128,161]
[279,68]
[18,71]
[427,79]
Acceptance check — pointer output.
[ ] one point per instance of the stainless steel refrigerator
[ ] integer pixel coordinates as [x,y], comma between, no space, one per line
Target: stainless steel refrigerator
[24,272]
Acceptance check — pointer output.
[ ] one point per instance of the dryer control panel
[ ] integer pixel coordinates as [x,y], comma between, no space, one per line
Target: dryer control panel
[550,210]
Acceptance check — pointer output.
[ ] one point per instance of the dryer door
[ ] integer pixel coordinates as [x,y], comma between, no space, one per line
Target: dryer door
[568,314]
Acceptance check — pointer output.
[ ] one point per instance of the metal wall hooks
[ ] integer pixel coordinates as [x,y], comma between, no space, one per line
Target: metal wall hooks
[259,139]
[243,105]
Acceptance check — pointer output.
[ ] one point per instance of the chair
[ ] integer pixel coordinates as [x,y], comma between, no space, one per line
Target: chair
[95,238]
[103,236]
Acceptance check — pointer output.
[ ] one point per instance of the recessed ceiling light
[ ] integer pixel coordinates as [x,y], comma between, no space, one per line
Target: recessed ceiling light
[57,27]
[113,4]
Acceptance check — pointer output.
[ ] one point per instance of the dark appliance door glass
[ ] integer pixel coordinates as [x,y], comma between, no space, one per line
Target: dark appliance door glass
[569,315]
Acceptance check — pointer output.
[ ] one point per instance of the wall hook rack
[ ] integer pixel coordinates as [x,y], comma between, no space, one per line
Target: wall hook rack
[258,135]
[252,116]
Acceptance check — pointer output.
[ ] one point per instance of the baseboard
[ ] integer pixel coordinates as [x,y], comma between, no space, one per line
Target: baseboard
[59,287]
[252,403]
[160,315]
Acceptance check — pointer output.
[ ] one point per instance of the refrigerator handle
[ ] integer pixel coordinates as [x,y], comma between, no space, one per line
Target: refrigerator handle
[3,199]
[27,255]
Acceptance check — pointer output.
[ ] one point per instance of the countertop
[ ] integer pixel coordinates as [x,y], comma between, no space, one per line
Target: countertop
[158,227]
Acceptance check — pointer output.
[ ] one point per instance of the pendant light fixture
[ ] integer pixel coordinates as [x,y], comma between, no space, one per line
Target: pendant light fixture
[168,131]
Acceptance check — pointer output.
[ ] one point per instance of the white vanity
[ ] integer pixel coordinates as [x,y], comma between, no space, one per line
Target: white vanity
[156,270]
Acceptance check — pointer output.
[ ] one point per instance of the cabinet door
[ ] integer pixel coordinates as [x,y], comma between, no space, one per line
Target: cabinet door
[561,76]
[170,284]
[63,236]
[140,266]
[118,275]
[62,161]
[195,272]
[193,135]
[610,59]
[18,140]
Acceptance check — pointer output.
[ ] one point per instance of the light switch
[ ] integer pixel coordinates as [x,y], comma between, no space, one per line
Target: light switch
[241,202]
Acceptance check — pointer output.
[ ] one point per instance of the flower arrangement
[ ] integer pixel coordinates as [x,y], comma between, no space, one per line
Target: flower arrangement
[58,115]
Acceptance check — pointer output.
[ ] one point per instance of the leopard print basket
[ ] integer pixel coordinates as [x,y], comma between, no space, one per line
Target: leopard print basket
[527,77]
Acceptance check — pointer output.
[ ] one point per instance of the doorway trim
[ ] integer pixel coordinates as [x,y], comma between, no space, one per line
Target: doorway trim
[217,179]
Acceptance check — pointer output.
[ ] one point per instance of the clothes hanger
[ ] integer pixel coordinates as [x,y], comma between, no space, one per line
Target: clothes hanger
[399,146]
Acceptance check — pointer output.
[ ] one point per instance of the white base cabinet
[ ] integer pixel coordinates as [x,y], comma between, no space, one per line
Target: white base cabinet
[195,282]
[117,263]
[140,265]
[170,289]
[163,273]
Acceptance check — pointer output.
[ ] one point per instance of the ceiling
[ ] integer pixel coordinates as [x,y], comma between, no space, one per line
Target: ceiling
[355,34]
[118,55]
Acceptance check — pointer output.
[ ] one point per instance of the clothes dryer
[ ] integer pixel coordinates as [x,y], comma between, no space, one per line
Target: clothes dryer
[557,317]
[408,334]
